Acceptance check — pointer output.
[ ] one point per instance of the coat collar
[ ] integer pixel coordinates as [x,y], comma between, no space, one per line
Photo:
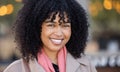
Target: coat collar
[73,64]
[35,67]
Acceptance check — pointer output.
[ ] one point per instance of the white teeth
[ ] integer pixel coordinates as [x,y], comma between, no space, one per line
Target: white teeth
[56,41]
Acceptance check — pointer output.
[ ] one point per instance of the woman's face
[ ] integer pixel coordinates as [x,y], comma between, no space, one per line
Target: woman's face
[54,35]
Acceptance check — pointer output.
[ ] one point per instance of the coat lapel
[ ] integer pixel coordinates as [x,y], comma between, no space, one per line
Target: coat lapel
[76,65]
[71,64]
[35,67]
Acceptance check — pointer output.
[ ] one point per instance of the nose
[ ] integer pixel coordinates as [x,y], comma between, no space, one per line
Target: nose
[58,31]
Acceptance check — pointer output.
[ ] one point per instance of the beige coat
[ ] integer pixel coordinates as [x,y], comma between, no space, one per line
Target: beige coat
[72,65]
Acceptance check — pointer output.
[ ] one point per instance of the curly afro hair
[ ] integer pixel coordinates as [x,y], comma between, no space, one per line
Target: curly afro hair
[35,12]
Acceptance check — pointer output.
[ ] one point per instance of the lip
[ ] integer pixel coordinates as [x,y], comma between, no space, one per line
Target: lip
[56,41]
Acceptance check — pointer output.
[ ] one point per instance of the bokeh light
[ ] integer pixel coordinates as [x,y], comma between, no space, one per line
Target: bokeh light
[10,8]
[93,8]
[117,7]
[3,10]
[18,0]
[107,4]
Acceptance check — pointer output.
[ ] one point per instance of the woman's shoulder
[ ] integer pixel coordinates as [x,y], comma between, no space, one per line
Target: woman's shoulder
[82,59]
[85,61]
[16,66]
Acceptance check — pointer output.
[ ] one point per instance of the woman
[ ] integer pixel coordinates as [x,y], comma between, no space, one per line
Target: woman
[52,37]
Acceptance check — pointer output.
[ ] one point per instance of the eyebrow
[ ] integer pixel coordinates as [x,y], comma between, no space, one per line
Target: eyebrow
[54,22]
[49,21]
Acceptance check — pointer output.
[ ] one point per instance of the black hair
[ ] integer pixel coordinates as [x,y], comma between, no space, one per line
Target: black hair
[35,12]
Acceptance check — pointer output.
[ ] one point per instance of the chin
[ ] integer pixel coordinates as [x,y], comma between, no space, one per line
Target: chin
[56,48]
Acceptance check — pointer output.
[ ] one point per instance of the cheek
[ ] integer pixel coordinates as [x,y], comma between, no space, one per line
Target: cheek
[67,34]
[44,37]
[45,34]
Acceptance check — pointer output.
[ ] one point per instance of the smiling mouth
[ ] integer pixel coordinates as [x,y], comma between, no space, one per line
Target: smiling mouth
[56,41]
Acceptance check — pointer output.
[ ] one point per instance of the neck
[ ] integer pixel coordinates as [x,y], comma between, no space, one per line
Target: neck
[52,55]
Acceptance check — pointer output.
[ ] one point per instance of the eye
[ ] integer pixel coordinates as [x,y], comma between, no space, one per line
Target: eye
[50,25]
[66,25]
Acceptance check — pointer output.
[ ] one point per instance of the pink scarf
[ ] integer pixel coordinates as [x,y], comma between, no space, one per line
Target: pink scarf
[45,62]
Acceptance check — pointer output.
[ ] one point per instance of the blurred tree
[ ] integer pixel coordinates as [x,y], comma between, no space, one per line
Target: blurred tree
[8,10]
[105,15]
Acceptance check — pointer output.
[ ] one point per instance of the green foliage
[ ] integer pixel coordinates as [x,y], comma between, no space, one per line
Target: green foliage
[9,19]
[106,19]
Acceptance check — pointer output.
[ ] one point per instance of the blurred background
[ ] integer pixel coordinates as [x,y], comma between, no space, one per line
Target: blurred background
[103,44]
